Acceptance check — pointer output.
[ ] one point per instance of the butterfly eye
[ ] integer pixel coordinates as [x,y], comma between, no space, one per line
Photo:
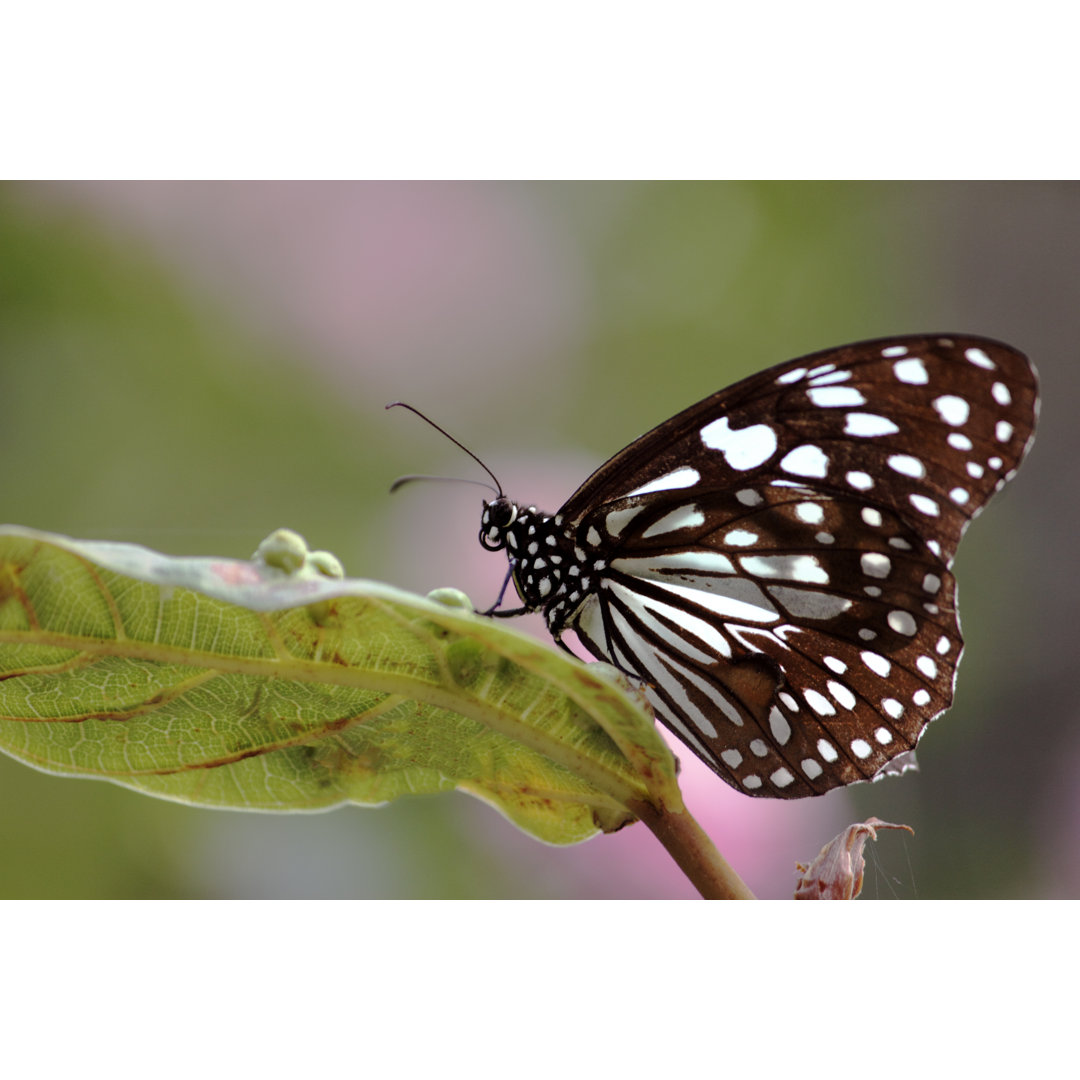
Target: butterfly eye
[499,515]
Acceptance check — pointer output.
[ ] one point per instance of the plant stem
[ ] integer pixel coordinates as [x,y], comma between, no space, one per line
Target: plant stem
[693,851]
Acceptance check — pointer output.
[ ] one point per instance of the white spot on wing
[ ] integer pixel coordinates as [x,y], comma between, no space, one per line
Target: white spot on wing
[876,663]
[952,409]
[924,505]
[778,725]
[875,565]
[827,750]
[782,777]
[868,425]
[912,371]
[859,480]
[907,465]
[821,705]
[741,538]
[841,694]
[806,461]
[980,359]
[832,397]
[743,449]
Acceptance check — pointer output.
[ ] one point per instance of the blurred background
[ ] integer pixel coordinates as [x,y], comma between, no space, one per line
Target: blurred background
[192,365]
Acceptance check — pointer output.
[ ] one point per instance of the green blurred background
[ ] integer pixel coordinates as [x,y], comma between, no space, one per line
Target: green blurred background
[190,366]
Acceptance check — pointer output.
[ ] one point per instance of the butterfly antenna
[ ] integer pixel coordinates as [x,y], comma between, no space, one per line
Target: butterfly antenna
[460,446]
[401,481]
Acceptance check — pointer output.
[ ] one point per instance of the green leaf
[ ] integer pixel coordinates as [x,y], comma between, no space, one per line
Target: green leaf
[277,684]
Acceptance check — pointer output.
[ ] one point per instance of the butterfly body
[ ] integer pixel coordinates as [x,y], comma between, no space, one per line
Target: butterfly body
[773,562]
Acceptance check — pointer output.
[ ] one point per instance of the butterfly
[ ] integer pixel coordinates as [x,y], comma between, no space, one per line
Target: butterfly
[772,563]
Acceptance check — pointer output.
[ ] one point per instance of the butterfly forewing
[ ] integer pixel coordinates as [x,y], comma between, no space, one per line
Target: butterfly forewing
[773,561]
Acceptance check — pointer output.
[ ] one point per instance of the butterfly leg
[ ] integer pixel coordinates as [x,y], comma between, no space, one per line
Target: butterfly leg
[510,612]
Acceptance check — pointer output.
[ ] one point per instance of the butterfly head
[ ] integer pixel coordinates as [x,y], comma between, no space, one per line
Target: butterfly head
[499,515]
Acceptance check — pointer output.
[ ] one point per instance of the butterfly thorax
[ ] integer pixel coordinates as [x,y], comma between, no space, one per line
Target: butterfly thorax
[551,572]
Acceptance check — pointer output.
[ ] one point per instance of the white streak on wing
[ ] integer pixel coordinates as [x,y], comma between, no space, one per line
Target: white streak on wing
[648,659]
[791,376]
[617,520]
[830,377]
[651,566]
[808,603]
[588,619]
[804,568]
[710,692]
[641,606]
[728,607]
[683,517]
[680,478]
